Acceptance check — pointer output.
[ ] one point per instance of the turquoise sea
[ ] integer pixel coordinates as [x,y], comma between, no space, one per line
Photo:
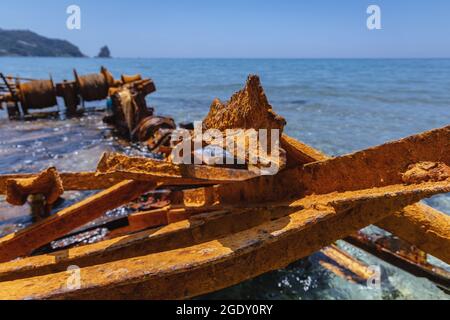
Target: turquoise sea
[338,106]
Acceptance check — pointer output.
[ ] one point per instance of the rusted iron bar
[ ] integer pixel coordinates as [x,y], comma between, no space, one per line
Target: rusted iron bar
[159,217]
[194,230]
[84,181]
[27,240]
[145,169]
[71,180]
[299,153]
[377,166]
[421,225]
[412,231]
[391,255]
[323,220]
[426,228]
[8,85]
[20,78]
[343,265]
[197,228]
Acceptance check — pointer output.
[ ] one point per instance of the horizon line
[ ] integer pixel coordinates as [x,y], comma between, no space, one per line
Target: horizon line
[240,58]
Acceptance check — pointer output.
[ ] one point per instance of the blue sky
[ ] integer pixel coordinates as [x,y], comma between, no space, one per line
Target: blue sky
[242,29]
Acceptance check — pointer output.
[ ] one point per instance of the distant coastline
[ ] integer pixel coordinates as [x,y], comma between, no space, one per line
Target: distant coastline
[25,43]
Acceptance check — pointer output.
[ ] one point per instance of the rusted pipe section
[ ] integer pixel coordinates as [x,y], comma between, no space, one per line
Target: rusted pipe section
[92,87]
[343,265]
[37,94]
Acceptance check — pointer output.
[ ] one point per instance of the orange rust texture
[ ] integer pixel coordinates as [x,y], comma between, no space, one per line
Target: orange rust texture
[423,226]
[27,240]
[344,265]
[200,228]
[111,162]
[191,271]
[426,171]
[70,180]
[196,229]
[247,109]
[159,217]
[47,183]
[92,86]
[130,78]
[37,94]
[299,153]
[378,166]
[145,169]
[430,238]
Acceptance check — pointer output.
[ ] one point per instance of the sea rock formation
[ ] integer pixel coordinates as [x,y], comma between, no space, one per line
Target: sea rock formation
[104,52]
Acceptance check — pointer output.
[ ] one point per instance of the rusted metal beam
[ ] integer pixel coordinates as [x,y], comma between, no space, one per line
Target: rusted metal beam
[27,240]
[299,153]
[373,167]
[79,181]
[426,228]
[377,166]
[196,229]
[392,250]
[343,265]
[190,271]
[83,181]
[419,224]
[146,169]
[159,217]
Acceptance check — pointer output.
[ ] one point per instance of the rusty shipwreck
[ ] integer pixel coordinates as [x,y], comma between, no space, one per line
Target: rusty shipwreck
[216,225]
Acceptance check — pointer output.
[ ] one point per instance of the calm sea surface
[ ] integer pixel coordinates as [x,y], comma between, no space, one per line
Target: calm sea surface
[338,106]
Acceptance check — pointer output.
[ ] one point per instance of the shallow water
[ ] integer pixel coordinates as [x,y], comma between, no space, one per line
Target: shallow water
[338,106]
